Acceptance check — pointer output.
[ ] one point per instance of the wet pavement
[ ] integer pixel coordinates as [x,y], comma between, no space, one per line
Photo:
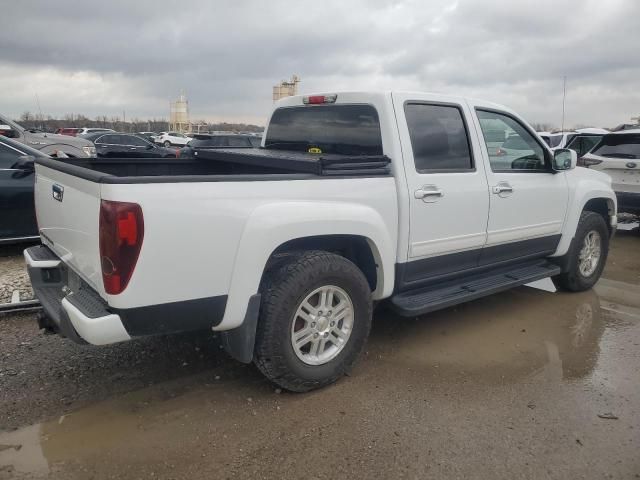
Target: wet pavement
[523,384]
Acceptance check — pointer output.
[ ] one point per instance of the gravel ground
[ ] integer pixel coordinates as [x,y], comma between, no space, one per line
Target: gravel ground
[13,274]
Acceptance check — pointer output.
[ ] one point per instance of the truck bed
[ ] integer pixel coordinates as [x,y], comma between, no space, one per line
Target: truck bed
[221,165]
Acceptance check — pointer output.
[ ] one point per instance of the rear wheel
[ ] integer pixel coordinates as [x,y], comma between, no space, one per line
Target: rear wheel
[587,254]
[167,144]
[314,320]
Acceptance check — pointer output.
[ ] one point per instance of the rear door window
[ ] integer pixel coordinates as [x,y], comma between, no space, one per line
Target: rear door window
[341,129]
[134,141]
[107,140]
[439,138]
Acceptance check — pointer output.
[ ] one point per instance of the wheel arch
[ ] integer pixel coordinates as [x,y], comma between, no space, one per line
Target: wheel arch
[590,197]
[356,248]
[356,231]
[602,206]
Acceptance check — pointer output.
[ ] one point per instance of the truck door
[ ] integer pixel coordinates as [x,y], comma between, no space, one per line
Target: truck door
[448,194]
[528,201]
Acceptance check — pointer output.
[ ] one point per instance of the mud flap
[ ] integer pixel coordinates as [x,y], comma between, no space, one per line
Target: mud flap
[240,341]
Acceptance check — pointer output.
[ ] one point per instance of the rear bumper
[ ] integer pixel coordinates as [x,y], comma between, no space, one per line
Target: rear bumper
[628,202]
[75,310]
[79,315]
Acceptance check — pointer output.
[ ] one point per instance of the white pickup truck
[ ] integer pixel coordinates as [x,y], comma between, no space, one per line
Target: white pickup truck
[352,199]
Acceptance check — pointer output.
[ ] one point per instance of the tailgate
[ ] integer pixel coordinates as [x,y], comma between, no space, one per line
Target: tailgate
[68,209]
[624,173]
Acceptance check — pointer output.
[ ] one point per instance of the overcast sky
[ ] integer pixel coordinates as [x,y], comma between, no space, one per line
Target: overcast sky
[106,57]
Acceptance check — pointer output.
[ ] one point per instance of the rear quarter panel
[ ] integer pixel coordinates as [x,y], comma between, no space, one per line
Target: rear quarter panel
[214,238]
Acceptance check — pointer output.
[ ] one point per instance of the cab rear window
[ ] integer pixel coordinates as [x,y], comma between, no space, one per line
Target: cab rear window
[340,129]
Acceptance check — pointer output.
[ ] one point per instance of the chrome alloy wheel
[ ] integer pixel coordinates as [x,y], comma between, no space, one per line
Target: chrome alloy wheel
[590,253]
[322,325]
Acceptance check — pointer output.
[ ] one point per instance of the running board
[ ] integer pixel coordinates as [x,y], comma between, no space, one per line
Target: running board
[436,297]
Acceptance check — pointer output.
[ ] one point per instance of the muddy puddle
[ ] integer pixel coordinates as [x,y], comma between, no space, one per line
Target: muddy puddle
[530,381]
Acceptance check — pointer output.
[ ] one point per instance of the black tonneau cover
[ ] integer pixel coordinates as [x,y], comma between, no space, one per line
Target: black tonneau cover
[221,165]
[301,162]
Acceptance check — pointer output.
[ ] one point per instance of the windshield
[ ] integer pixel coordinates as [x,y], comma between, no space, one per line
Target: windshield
[341,129]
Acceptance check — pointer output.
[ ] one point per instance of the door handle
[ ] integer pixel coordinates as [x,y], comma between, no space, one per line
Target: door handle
[502,188]
[428,193]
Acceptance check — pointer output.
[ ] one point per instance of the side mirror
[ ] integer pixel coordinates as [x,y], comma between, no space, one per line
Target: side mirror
[564,159]
[26,163]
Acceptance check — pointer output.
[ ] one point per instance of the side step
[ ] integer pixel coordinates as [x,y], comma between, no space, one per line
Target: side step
[424,300]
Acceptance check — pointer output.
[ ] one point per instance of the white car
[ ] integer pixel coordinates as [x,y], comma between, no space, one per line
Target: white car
[84,131]
[354,198]
[618,155]
[168,139]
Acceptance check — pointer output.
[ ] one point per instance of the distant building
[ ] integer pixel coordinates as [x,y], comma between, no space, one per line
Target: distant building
[179,114]
[286,88]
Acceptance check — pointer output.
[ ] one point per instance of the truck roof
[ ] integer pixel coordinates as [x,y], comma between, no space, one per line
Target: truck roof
[348,96]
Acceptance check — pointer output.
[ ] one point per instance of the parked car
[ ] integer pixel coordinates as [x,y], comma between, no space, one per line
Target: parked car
[17,212]
[583,142]
[515,147]
[546,136]
[356,197]
[47,143]
[618,155]
[125,145]
[212,141]
[72,132]
[172,138]
[85,131]
[560,139]
[148,136]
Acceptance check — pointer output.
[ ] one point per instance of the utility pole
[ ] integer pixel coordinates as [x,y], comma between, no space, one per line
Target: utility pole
[564,97]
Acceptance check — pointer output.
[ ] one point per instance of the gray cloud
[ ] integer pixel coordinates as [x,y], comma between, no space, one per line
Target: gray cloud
[135,56]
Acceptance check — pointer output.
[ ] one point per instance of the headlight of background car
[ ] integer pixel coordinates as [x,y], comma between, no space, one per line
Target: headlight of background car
[89,151]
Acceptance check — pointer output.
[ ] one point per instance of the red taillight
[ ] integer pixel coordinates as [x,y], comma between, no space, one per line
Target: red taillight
[121,234]
[500,153]
[319,99]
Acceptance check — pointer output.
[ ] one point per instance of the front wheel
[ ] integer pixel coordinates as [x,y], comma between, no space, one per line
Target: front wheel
[167,144]
[314,320]
[587,254]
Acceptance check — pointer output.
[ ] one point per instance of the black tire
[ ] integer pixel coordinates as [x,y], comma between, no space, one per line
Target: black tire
[573,280]
[283,290]
[167,144]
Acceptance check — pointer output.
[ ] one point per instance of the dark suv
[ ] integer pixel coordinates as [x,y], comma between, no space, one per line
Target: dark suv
[17,213]
[213,141]
[125,145]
